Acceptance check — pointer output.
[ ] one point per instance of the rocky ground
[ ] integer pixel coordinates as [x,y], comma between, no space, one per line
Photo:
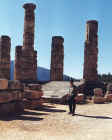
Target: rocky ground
[52,122]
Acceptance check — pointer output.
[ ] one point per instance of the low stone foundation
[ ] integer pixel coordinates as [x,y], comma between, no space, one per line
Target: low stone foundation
[33,96]
[11,96]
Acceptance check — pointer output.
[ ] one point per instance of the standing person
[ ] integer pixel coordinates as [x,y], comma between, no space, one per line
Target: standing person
[73,91]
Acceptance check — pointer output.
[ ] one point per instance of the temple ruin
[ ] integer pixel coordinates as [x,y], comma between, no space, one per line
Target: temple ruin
[57,58]
[26,56]
[5,45]
[25,92]
[91,51]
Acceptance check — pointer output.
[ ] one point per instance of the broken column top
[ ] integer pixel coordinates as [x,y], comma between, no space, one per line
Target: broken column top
[5,37]
[91,30]
[18,48]
[92,25]
[92,22]
[29,6]
[58,39]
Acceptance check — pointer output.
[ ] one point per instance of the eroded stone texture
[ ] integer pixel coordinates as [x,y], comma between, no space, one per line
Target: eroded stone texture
[18,63]
[29,24]
[91,51]
[5,45]
[33,96]
[29,66]
[11,97]
[57,58]
[26,56]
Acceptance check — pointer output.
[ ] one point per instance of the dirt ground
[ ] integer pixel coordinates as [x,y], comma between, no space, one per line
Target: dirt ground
[52,122]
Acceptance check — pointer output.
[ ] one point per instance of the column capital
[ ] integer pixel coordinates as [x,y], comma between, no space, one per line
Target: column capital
[58,39]
[30,6]
[92,22]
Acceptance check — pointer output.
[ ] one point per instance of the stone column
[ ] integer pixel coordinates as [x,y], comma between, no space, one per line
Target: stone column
[57,58]
[5,45]
[35,65]
[18,63]
[91,51]
[29,24]
[28,53]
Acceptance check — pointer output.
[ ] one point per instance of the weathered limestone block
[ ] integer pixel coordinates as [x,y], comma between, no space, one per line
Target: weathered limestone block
[98,92]
[15,85]
[99,99]
[6,108]
[57,59]
[11,96]
[91,51]
[32,104]
[37,103]
[18,63]
[98,96]
[16,107]
[3,84]
[108,97]
[33,94]
[5,45]
[7,96]
[34,87]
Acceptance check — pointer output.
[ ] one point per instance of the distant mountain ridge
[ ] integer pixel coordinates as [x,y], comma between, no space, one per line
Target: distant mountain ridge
[43,74]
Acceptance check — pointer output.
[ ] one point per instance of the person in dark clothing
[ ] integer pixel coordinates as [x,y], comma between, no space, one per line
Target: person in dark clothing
[73,91]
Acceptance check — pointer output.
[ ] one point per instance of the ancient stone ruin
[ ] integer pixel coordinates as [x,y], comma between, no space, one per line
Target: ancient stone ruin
[17,94]
[91,51]
[57,58]
[26,56]
[5,44]
[25,91]
[11,96]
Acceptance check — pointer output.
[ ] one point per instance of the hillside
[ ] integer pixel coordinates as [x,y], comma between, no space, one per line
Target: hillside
[43,74]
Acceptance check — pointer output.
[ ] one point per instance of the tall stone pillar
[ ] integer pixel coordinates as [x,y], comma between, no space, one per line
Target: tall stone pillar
[5,45]
[35,64]
[29,25]
[26,56]
[18,63]
[57,58]
[28,53]
[91,51]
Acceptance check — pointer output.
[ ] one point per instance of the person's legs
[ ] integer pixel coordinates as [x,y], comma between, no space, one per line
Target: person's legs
[70,105]
[74,107]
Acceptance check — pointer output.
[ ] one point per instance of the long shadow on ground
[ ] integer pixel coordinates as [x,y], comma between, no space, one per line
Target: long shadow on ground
[49,109]
[33,113]
[27,115]
[10,118]
[96,117]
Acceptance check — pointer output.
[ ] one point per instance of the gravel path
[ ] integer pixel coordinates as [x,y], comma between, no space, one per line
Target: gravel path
[52,122]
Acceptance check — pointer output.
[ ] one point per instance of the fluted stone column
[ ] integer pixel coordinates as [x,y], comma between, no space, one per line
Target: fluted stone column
[29,25]
[91,51]
[26,56]
[28,53]
[57,59]
[5,45]
[35,64]
[18,63]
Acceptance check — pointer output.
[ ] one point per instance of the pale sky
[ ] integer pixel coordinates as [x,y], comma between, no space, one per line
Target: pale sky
[65,18]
